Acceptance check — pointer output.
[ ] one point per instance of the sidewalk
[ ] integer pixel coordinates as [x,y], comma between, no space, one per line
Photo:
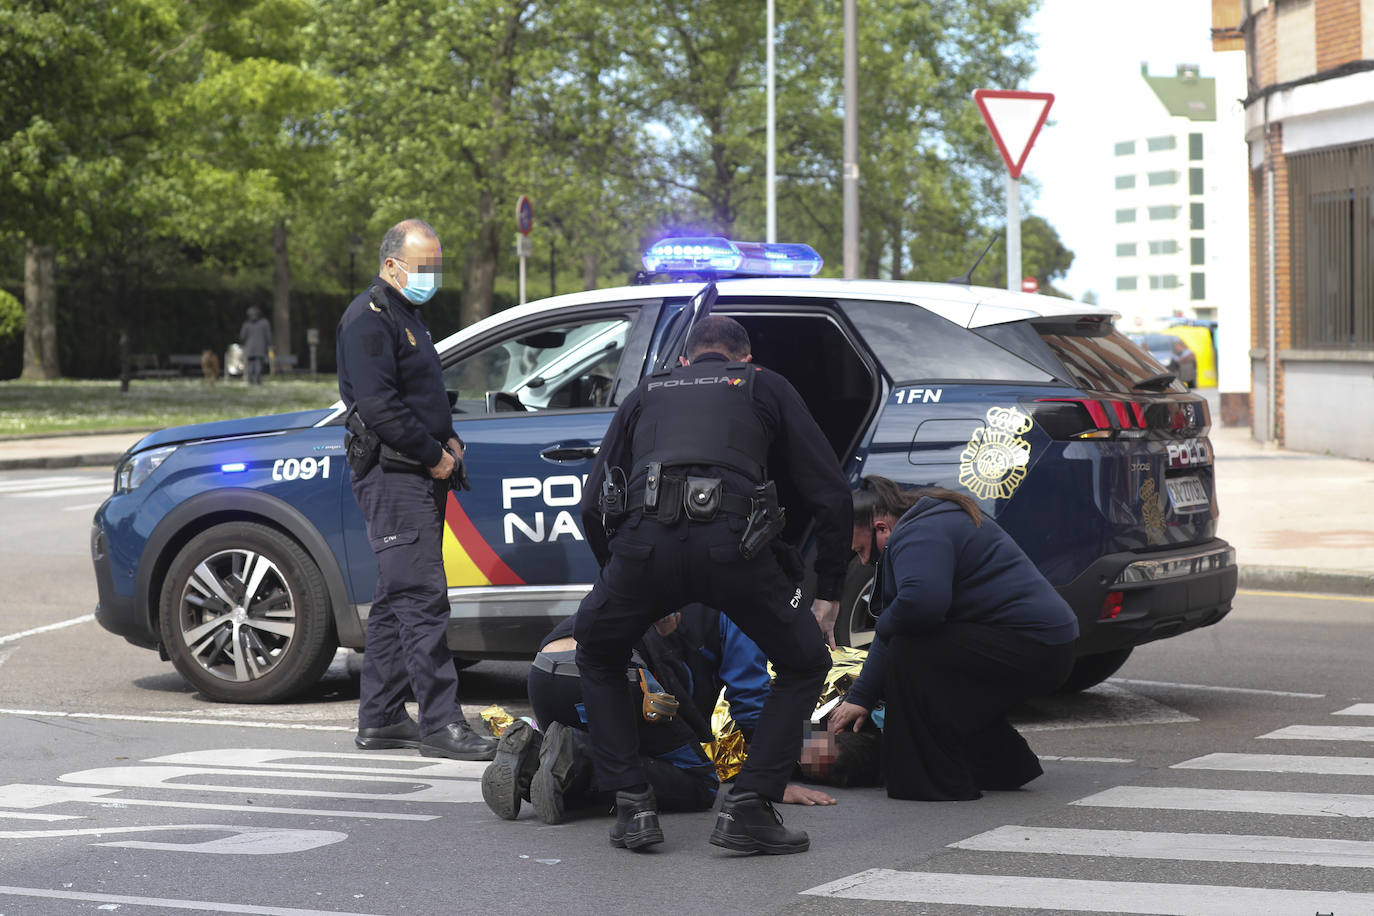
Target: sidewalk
[1299,521]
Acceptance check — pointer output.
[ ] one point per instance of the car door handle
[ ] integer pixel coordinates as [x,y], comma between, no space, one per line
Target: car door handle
[569,452]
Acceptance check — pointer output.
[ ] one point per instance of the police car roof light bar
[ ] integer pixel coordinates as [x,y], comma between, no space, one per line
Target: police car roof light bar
[723,257]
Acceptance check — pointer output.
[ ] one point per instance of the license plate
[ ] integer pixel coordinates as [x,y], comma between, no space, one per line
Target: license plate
[1187,494]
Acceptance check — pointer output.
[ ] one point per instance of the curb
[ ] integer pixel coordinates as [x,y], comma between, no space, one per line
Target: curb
[106,459]
[1303,579]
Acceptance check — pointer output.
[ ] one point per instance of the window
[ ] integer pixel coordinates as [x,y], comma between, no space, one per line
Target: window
[1125,249]
[563,367]
[1164,281]
[1167,211]
[1155,144]
[1125,181]
[1199,286]
[1126,216]
[1331,202]
[1104,362]
[1162,178]
[1125,284]
[1195,181]
[1164,246]
[1125,148]
[1194,147]
[1199,251]
[1195,217]
[913,343]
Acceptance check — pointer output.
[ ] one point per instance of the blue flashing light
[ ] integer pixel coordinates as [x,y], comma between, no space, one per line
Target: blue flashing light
[711,254]
[234,467]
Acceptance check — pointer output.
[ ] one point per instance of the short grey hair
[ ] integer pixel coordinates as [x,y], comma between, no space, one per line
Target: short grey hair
[395,238]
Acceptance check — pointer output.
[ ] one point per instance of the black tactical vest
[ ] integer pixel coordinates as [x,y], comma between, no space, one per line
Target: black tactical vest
[702,414]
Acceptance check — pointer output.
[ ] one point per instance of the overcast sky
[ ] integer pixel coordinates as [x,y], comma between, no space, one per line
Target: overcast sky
[1089,50]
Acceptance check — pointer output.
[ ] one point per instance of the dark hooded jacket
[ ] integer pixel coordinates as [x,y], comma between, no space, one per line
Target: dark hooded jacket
[938,568]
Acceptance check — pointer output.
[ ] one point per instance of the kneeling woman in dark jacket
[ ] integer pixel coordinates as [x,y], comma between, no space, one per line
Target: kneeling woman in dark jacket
[969,629]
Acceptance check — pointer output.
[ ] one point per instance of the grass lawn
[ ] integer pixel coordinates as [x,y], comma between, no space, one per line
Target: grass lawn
[73,406]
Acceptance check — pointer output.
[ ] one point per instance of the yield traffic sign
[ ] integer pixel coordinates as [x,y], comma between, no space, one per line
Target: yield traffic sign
[1015,119]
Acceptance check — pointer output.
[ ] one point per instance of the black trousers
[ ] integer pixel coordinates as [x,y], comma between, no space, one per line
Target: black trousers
[407,628]
[253,369]
[655,569]
[674,763]
[945,731]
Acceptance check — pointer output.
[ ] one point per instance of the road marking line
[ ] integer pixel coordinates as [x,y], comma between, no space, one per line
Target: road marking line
[40,483]
[418,788]
[1281,763]
[204,906]
[48,628]
[65,491]
[1064,894]
[1255,690]
[1324,733]
[1186,847]
[1359,709]
[1106,705]
[1302,804]
[29,796]
[173,720]
[1048,757]
[350,761]
[83,506]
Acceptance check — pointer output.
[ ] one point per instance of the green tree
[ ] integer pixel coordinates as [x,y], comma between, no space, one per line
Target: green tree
[1043,256]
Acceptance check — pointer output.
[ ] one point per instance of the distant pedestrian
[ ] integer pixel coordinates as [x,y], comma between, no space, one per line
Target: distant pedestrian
[255,336]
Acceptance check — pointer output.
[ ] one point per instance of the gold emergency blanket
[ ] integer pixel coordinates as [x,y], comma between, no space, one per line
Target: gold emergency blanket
[497,719]
[728,751]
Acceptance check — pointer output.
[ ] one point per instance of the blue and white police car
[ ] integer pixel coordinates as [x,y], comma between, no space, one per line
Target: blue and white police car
[237,551]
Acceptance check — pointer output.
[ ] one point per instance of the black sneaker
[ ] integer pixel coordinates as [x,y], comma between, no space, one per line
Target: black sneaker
[748,823]
[636,820]
[559,768]
[506,779]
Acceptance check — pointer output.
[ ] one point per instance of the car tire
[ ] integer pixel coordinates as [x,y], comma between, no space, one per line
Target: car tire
[854,625]
[263,647]
[1091,670]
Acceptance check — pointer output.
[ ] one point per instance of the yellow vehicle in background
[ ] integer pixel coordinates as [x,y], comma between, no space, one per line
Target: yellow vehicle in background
[1199,340]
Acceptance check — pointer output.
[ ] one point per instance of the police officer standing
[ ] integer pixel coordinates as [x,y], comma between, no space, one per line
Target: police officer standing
[689,461]
[402,453]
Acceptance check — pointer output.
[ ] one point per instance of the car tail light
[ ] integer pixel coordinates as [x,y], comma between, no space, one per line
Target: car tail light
[1111,606]
[1090,418]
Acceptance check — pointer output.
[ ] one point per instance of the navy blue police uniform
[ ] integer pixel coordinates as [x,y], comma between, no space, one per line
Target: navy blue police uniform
[742,425]
[390,371]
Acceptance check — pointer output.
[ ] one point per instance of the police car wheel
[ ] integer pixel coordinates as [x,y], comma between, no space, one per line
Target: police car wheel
[1091,670]
[854,626]
[245,615]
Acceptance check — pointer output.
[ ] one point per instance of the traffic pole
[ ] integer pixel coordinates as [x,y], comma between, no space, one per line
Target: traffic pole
[1013,233]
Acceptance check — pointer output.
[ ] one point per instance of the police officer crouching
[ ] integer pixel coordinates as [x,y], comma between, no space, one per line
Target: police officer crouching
[404,456]
[688,513]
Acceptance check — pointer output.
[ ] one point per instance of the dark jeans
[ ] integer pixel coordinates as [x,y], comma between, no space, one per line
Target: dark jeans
[655,569]
[674,763]
[945,731]
[253,369]
[407,641]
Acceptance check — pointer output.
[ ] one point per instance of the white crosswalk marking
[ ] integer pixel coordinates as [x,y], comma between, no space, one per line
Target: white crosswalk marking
[1324,733]
[1282,763]
[1301,804]
[1187,847]
[1067,895]
[1359,709]
[63,491]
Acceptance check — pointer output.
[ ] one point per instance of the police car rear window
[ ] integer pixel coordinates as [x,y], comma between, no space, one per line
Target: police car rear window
[913,343]
[1102,361]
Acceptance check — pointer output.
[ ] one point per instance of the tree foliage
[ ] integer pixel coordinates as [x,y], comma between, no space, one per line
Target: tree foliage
[153,141]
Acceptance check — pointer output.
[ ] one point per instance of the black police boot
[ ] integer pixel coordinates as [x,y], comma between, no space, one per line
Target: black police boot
[506,779]
[404,733]
[565,769]
[457,741]
[636,820]
[748,823]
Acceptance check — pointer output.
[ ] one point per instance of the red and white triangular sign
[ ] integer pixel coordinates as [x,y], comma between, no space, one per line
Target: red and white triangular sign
[1015,119]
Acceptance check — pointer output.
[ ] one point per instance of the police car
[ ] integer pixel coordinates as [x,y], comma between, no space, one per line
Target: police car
[237,551]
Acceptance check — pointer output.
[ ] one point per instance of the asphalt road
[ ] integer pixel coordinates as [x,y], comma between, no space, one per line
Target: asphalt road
[1224,771]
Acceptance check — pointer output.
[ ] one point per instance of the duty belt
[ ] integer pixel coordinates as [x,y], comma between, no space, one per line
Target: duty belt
[673,499]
